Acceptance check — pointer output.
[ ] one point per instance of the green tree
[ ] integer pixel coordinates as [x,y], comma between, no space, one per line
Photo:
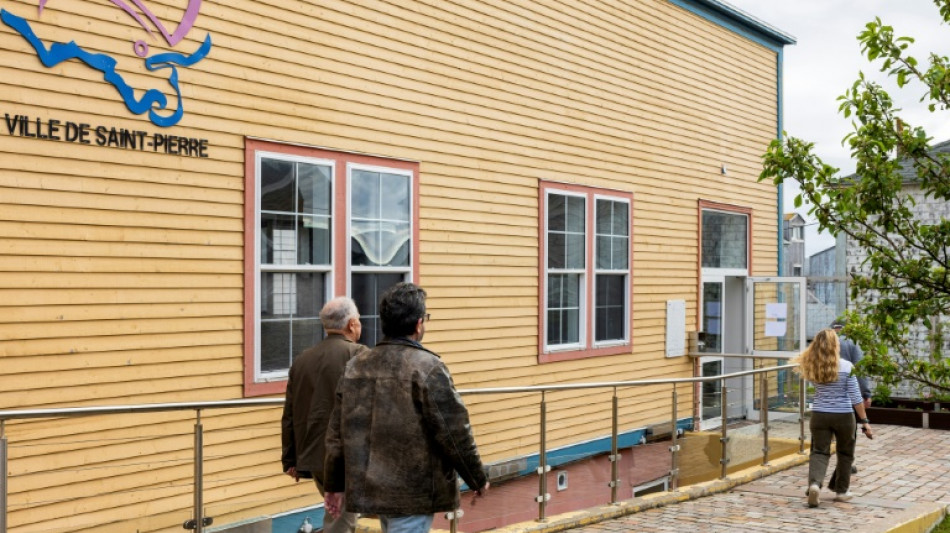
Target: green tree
[903,287]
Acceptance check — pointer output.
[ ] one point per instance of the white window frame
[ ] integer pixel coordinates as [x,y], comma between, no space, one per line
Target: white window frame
[259,269]
[626,274]
[581,344]
[350,268]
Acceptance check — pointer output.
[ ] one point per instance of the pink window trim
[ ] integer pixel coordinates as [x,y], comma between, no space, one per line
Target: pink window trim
[340,260]
[702,205]
[590,350]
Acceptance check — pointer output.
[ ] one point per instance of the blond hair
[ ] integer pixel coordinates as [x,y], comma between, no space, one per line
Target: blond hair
[819,362]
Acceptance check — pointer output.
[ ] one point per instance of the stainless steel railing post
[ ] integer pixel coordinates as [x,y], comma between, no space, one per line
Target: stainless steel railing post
[724,403]
[3,478]
[543,467]
[764,410]
[674,447]
[199,473]
[801,413]
[614,456]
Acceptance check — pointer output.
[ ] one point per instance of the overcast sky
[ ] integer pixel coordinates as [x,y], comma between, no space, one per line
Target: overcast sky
[826,61]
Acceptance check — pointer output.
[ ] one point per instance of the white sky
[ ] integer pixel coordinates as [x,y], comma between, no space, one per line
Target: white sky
[826,61]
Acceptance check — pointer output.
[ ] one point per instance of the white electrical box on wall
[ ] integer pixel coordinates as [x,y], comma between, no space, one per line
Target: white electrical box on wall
[675,328]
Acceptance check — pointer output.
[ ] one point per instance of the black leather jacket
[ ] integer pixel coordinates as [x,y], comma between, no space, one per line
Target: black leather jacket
[399,434]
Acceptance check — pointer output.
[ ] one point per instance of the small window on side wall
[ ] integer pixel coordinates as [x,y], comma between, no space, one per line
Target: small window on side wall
[319,224]
[585,294]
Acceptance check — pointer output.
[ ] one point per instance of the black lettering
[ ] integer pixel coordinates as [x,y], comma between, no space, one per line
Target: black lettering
[172,145]
[53,129]
[84,131]
[25,126]
[113,137]
[101,135]
[72,131]
[39,128]
[193,147]
[203,151]
[159,141]
[140,135]
[11,124]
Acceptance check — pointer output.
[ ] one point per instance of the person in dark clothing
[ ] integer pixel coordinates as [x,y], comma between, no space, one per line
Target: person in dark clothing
[400,432]
[311,393]
[851,352]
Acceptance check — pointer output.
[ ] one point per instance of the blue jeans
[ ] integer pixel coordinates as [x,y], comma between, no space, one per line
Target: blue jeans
[417,523]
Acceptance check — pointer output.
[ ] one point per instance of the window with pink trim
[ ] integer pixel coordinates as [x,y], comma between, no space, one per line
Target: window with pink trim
[319,224]
[586,272]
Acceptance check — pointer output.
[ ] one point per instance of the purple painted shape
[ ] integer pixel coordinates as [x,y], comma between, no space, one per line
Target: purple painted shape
[187,20]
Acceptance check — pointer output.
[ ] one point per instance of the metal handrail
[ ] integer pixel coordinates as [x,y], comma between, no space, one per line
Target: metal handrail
[199,522]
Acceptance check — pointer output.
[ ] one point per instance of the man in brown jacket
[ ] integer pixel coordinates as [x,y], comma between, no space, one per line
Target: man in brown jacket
[400,431]
[311,393]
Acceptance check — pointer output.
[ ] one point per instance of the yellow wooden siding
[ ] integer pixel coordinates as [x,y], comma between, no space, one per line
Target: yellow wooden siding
[121,272]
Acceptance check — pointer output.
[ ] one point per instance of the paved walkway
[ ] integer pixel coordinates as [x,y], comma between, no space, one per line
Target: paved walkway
[904,473]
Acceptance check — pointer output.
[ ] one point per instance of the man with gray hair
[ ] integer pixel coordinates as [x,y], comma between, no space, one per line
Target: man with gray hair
[311,393]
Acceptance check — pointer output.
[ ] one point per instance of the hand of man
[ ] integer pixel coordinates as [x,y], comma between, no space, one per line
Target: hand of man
[867,403]
[866,428]
[292,472]
[478,493]
[333,503]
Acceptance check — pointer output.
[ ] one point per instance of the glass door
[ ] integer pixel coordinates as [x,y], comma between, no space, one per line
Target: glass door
[712,365]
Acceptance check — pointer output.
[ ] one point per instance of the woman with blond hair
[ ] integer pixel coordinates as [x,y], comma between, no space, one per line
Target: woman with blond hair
[837,397]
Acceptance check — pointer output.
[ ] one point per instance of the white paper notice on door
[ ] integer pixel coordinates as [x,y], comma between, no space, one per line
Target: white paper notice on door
[776,311]
[775,328]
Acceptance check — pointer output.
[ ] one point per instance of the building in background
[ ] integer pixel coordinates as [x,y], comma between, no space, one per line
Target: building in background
[182,190]
[793,240]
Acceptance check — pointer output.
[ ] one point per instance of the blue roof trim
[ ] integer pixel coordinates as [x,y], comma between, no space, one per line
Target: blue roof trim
[737,21]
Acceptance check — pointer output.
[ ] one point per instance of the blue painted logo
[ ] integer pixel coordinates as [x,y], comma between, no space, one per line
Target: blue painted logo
[153,101]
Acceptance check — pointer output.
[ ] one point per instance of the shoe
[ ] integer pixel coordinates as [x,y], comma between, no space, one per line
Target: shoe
[844,496]
[854,469]
[813,491]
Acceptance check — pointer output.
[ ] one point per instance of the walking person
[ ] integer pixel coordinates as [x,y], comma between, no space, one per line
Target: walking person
[400,431]
[852,352]
[311,393]
[837,398]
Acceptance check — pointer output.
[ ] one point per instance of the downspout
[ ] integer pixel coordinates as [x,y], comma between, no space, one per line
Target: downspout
[781,196]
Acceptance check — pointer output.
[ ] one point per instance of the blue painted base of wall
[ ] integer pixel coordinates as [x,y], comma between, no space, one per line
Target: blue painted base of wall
[290,523]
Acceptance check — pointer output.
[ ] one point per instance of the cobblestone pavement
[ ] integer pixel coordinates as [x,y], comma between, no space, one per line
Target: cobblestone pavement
[901,468]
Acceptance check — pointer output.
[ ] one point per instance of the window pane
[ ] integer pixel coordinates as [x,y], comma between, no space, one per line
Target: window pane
[313,241]
[395,197]
[556,209]
[725,240]
[367,290]
[304,334]
[364,242]
[275,345]
[604,252]
[563,309]
[290,307]
[621,255]
[621,219]
[278,240]
[557,250]
[610,306]
[277,185]
[314,193]
[364,196]
[394,244]
[575,214]
[574,256]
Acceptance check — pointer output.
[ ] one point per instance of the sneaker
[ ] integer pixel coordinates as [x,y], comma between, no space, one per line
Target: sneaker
[843,496]
[813,491]
[854,469]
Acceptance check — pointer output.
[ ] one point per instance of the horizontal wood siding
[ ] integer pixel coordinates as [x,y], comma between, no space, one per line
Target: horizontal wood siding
[122,272]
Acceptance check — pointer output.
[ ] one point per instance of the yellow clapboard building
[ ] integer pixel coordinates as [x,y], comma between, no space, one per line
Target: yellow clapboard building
[183,184]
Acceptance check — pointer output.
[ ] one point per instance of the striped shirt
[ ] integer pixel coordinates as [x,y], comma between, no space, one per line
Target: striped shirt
[838,396]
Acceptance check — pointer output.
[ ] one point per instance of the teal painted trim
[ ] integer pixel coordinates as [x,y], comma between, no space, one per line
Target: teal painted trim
[592,448]
[291,522]
[780,124]
[737,21]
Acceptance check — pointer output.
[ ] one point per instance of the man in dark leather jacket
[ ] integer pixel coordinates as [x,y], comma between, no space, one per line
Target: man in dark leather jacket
[400,431]
[311,394]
